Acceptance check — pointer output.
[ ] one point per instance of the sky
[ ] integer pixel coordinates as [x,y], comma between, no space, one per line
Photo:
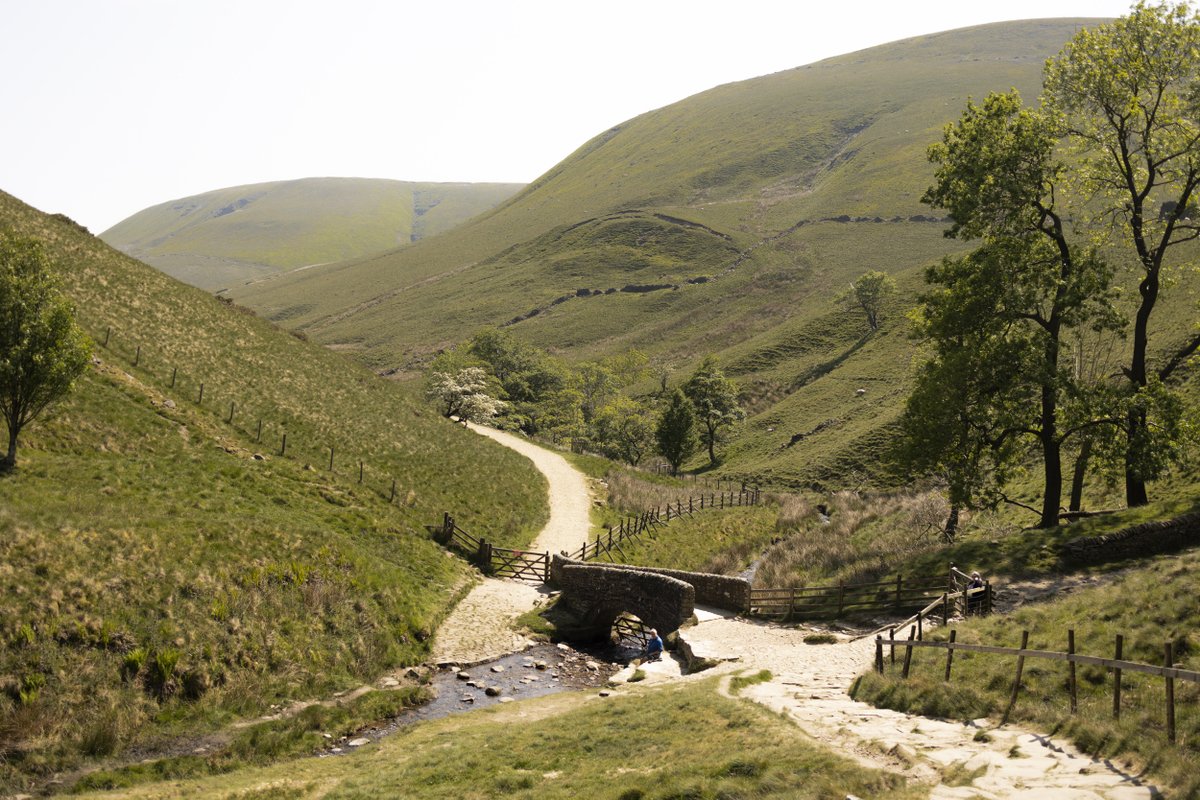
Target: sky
[112,106]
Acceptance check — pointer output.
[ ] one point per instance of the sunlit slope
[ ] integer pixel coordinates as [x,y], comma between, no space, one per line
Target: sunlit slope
[229,236]
[156,522]
[730,169]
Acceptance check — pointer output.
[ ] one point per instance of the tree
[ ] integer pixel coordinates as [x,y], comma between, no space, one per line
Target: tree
[676,431]
[715,399]
[1023,287]
[869,293]
[1128,94]
[624,429]
[42,350]
[464,394]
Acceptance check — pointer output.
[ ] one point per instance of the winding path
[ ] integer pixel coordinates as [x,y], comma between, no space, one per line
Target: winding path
[481,626]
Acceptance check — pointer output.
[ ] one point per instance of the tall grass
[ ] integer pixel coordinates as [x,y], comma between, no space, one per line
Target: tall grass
[866,537]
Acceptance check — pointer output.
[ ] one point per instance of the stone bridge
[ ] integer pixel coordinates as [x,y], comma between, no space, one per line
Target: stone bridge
[662,598]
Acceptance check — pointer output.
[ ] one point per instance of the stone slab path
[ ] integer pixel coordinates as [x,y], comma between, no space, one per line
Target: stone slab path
[480,627]
[980,760]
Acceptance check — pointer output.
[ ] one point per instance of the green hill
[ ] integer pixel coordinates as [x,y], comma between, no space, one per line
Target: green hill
[726,223]
[243,233]
[166,565]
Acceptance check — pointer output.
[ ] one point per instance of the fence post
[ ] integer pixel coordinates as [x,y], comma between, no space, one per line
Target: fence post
[987,597]
[258,436]
[879,654]
[232,405]
[283,445]
[360,470]
[908,652]
[950,653]
[701,502]
[691,508]
[137,357]
[892,643]
[1117,680]
[173,371]
[920,627]
[331,458]
[1168,662]
[1071,664]
[107,331]
[200,401]
[945,608]
[392,499]
[1012,700]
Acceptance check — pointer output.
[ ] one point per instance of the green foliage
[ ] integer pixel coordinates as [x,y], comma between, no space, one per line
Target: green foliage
[869,293]
[715,400]
[739,682]
[997,318]
[676,431]
[624,430]
[1128,96]
[42,350]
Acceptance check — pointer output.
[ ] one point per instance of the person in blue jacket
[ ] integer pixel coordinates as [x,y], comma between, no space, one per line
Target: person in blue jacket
[654,646]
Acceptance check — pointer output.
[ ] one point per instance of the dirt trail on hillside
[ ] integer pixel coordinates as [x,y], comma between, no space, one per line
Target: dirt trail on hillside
[480,627]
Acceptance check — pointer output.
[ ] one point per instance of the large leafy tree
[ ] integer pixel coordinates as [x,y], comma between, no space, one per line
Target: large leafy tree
[715,399]
[1026,284]
[676,431]
[1128,94]
[624,429]
[42,350]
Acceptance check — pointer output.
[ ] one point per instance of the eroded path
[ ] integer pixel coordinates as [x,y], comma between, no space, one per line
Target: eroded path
[974,760]
[481,627]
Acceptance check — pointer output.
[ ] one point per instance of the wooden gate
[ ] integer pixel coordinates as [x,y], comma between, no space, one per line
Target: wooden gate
[520,565]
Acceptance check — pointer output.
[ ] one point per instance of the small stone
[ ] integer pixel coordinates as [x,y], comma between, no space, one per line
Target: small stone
[592,666]
[359,742]
[389,683]
[492,691]
[168,403]
[562,646]
[327,735]
[335,749]
[413,673]
[507,700]
[497,668]
[604,693]
[540,665]
[468,699]
[463,676]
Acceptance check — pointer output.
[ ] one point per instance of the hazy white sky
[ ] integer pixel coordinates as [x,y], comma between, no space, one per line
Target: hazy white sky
[110,106]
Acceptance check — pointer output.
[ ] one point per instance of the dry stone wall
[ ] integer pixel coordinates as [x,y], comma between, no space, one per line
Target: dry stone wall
[1166,536]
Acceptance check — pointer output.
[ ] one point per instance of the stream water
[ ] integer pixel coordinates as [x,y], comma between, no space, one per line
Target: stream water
[540,670]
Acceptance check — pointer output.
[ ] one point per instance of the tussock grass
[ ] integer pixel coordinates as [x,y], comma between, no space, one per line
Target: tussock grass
[690,742]
[1149,605]
[867,537]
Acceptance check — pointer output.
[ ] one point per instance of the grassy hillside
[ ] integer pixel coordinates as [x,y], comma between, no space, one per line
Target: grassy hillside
[726,223]
[165,568]
[244,233]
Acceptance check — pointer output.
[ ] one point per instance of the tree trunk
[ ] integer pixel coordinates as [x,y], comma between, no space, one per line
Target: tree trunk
[951,530]
[1135,485]
[9,462]
[1052,495]
[712,441]
[1081,465]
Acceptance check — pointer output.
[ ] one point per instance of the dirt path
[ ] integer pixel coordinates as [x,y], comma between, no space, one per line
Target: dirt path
[974,760]
[481,626]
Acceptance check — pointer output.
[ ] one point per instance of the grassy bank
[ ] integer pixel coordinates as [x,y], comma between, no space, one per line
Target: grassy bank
[654,744]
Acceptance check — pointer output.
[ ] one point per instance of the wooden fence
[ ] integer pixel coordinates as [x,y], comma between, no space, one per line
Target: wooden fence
[252,426]
[897,596]
[1167,671]
[634,526]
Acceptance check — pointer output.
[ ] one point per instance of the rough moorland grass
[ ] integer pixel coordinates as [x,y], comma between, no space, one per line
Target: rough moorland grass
[673,742]
[723,542]
[156,578]
[1148,604]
